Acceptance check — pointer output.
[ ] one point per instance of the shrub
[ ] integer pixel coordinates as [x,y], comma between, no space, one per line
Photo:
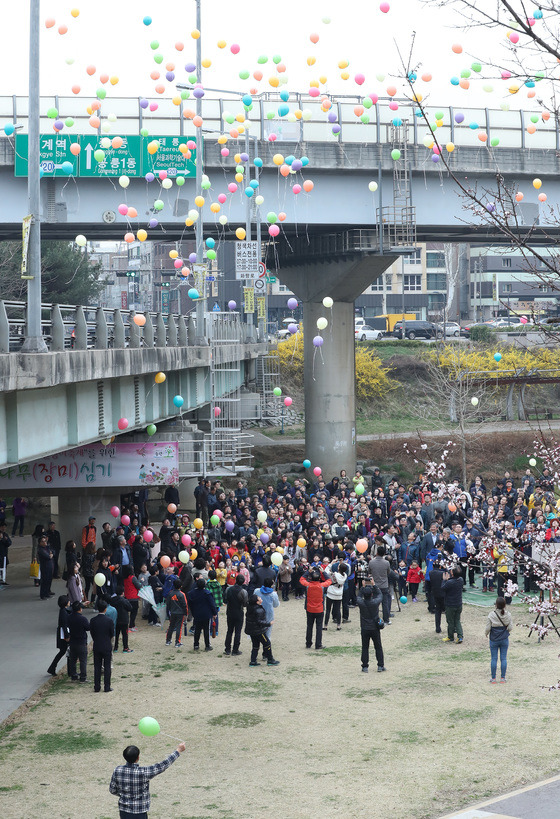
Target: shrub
[482,333]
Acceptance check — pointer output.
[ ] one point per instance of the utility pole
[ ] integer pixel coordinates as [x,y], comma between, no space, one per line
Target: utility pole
[200,339]
[34,341]
[248,200]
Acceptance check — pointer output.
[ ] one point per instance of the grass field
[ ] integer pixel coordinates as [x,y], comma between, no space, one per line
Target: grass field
[312,737]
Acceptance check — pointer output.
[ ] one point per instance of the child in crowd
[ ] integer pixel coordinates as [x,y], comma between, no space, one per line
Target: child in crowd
[216,591]
[285,576]
[403,576]
[143,579]
[222,577]
[414,577]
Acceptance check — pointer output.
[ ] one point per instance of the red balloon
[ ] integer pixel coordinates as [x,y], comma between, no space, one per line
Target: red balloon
[165,561]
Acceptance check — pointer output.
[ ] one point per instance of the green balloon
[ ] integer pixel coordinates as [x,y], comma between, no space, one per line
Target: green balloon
[360,489]
[69,122]
[205,185]
[395,154]
[239,169]
[494,141]
[99,155]
[215,520]
[185,95]
[539,76]
[262,60]
[101,93]
[158,58]
[366,102]
[439,114]
[476,67]
[144,132]
[230,119]
[211,254]
[270,114]
[465,73]
[244,75]
[534,118]
[180,181]
[277,59]
[158,204]
[52,113]
[192,79]
[365,118]
[277,391]
[271,218]
[149,726]
[151,429]
[154,45]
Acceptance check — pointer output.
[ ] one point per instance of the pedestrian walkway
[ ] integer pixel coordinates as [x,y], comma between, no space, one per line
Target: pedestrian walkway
[539,801]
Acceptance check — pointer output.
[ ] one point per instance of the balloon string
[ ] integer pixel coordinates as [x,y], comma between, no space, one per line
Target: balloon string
[165,734]
[313,368]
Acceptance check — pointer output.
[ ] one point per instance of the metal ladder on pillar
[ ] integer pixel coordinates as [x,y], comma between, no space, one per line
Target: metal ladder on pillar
[268,377]
[399,219]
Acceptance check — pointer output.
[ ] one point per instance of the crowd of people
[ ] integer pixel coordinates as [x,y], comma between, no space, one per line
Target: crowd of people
[335,546]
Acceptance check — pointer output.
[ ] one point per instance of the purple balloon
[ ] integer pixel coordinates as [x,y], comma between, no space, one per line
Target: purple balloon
[332,117]
[192,258]
[170,76]
[297,165]
[264,537]
[59,125]
[232,304]
[198,93]
[435,158]
[149,177]
[190,67]
[244,157]
[318,341]
[336,129]
[490,207]
[459,118]
[153,223]
[230,525]
[292,328]
[292,304]
[144,103]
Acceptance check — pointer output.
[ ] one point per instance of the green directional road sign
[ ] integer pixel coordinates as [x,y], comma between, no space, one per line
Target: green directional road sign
[123,161]
[55,149]
[168,157]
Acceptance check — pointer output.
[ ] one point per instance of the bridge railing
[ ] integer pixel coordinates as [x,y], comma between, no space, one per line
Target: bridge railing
[74,327]
[308,123]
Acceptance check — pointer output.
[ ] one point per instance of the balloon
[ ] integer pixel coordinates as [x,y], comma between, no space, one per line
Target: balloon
[80,240]
[151,429]
[451,506]
[159,378]
[148,535]
[523,319]
[115,511]
[197,523]
[165,561]
[276,559]
[384,7]
[231,305]
[288,401]
[292,304]
[264,538]
[361,545]
[178,400]
[372,186]
[317,471]
[171,508]
[301,542]
[395,154]
[532,461]
[292,328]
[193,293]
[240,233]
[139,320]
[360,489]
[318,341]
[537,183]
[215,521]
[277,391]
[497,357]
[474,401]
[184,557]
[99,579]
[327,302]
[217,412]
[261,516]
[149,727]
[322,323]
[306,463]
[230,526]
[186,540]
[194,554]
[122,423]
[404,599]
[125,520]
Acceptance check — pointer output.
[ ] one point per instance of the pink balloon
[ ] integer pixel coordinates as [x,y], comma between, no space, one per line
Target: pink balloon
[317,471]
[234,49]
[288,401]
[314,92]
[217,412]
[373,97]
[523,319]
[384,7]
[186,540]
[123,210]
[296,189]
[115,511]
[153,106]
[122,423]
[218,513]
[274,230]
[222,198]
[232,187]
[125,520]
[514,37]
[148,536]
[359,79]
[224,151]
[272,137]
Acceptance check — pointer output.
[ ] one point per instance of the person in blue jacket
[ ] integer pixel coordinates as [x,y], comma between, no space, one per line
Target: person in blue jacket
[203,609]
[433,555]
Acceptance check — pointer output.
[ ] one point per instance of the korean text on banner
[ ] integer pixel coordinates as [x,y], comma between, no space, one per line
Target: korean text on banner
[25,228]
[261,307]
[249,299]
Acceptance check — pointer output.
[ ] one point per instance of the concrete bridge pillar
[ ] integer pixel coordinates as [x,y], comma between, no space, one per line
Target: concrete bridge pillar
[330,371]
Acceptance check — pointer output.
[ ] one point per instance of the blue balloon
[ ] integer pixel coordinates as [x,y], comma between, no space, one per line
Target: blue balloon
[257,162]
[249,191]
[247,100]
[307,463]
[530,83]
[473,126]
[283,110]
[454,80]
[9,129]
[178,400]
[210,242]
[404,599]
[397,122]
[537,14]
[497,357]
[254,183]
[289,159]
[418,112]
[67,168]
[304,161]
[412,76]
[284,96]
[147,21]
[193,293]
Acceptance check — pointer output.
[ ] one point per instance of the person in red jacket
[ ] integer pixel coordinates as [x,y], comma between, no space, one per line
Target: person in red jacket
[314,606]
[414,577]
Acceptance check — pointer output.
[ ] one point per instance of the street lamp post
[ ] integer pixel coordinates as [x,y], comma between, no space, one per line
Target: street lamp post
[200,339]
[34,341]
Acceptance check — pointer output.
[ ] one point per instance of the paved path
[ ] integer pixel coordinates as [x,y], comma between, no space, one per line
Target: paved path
[539,801]
[28,634]
[261,439]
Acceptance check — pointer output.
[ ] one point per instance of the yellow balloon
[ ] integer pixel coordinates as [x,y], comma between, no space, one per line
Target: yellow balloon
[222,43]
[189,222]
[206,63]
[311,60]
[237,159]
[314,84]
[239,178]
[197,523]
[301,542]
[176,100]
[240,233]
[194,554]
[274,82]
[160,378]
[214,207]
[199,201]
[323,79]
[343,64]
[344,75]
[537,183]
[141,235]
[278,159]
[222,139]
[173,254]
[450,147]
[195,34]
[240,117]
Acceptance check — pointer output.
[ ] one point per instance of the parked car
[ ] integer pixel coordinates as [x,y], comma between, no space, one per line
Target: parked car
[417,329]
[366,333]
[452,329]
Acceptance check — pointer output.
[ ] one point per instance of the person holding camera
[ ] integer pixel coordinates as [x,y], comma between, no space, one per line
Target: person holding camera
[452,588]
[369,599]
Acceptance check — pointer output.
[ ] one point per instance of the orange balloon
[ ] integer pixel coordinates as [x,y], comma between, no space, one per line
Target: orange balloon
[361,545]
[179,46]
[483,137]
[197,523]
[62,29]
[281,216]
[197,121]
[280,68]
[391,90]
[457,49]
[531,129]
[426,77]
[155,75]
[96,105]
[76,89]
[138,319]
[308,185]
[171,508]
[103,78]
[159,89]
[257,75]
[75,149]
[545,116]
[170,66]
[90,70]
[95,122]
[542,197]
[129,237]
[464,83]
[117,142]
[530,94]
[132,213]
[274,82]
[165,561]
[285,170]
[314,38]
[49,22]
[359,110]
[518,197]
[452,507]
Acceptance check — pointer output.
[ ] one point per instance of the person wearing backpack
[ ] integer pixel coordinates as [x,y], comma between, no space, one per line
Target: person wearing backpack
[498,627]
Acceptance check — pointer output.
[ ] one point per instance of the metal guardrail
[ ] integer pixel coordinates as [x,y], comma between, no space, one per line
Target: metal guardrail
[74,327]
[510,127]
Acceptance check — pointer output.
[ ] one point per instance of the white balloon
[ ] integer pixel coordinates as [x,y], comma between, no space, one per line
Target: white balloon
[306,115]
[80,240]
[328,302]
[167,183]
[223,219]
[106,127]
[124,181]
[112,117]
[474,401]
[105,142]
[69,60]
[322,323]
[193,214]
[259,200]
[372,186]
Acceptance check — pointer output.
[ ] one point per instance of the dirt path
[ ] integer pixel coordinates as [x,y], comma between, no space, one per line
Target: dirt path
[312,737]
